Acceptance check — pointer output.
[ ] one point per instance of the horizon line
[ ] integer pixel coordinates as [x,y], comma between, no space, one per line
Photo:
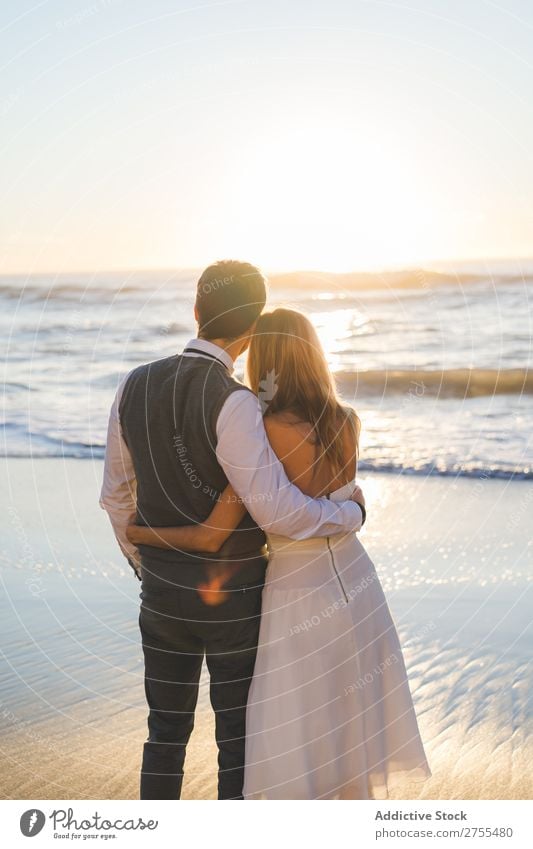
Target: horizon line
[392,269]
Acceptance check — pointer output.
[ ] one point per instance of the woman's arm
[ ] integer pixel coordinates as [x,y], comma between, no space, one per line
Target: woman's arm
[227,514]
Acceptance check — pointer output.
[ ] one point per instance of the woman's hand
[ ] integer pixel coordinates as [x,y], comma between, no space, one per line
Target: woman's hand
[207,536]
[199,537]
[134,533]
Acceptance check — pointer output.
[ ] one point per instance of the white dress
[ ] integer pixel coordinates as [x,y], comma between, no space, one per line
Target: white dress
[330,714]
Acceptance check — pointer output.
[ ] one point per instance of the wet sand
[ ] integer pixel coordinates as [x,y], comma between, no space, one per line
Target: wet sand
[454,557]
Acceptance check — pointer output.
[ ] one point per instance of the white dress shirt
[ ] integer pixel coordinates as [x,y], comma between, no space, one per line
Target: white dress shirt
[249,463]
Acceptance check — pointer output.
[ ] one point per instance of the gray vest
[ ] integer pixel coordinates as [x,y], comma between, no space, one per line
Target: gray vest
[168,414]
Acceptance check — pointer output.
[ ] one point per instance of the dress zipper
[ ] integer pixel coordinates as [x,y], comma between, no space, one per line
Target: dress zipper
[334,566]
[336,571]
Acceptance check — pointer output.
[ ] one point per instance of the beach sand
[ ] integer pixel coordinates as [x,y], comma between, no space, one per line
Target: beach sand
[454,557]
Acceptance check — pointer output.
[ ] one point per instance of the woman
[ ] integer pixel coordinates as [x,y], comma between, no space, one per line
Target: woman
[329,714]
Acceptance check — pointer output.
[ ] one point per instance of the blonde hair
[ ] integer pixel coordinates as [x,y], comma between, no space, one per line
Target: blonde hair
[287,361]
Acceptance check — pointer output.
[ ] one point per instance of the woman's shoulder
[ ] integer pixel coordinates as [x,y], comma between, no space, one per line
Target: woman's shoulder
[285,423]
[286,431]
[350,427]
[348,413]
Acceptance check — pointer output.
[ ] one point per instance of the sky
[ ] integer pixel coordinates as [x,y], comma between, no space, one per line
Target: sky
[334,135]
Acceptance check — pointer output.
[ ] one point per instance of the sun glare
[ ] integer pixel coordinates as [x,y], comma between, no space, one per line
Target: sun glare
[331,201]
[334,329]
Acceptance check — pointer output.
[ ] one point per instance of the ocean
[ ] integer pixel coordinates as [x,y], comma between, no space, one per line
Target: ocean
[438,364]
[438,368]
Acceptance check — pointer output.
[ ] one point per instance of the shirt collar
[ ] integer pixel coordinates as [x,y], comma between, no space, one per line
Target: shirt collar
[207,347]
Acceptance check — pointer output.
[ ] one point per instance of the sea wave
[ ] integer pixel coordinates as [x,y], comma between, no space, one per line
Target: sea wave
[48,447]
[88,286]
[64,292]
[69,287]
[449,383]
[475,471]
[411,278]
[17,441]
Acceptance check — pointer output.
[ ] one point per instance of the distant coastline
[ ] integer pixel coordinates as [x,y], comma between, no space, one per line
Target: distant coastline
[425,276]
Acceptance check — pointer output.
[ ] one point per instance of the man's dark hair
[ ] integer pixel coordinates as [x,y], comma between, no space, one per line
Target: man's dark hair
[230,296]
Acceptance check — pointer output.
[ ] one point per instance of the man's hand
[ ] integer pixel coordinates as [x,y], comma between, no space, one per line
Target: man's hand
[357,495]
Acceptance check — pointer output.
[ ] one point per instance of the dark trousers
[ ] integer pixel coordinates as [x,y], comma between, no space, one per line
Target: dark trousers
[178,627]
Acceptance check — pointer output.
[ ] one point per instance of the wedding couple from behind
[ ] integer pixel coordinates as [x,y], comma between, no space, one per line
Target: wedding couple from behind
[238,508]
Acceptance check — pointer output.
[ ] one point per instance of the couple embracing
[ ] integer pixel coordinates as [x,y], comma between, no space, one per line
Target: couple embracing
[238,509]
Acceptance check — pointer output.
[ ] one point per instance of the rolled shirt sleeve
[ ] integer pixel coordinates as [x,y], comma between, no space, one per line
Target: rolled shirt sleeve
[118,496]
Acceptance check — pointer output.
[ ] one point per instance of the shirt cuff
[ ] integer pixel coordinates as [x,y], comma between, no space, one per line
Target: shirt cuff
[363,512]
[136,566]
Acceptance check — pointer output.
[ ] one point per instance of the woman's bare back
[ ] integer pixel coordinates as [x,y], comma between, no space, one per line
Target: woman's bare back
[292,441]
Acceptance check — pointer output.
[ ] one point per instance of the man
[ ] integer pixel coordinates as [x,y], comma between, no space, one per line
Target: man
[179,430]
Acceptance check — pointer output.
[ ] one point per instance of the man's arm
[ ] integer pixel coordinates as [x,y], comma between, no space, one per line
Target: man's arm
[257,476]
[119,488]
